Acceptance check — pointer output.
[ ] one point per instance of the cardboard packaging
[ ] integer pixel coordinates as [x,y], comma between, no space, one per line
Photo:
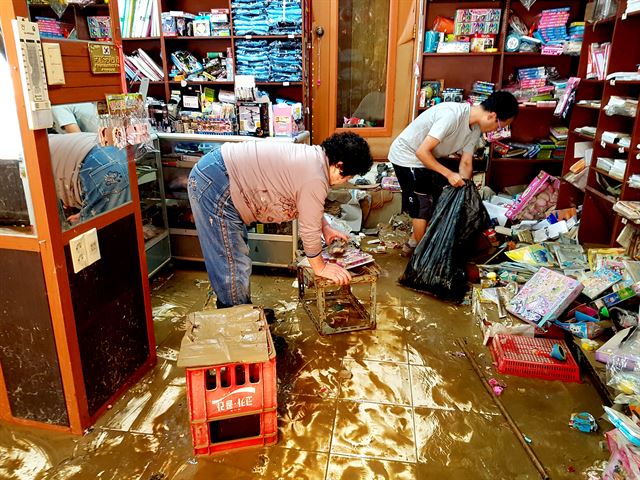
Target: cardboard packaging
[543,298]
[537,201]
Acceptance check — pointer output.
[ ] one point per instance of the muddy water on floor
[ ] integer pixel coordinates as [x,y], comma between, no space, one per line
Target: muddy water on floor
[397,402]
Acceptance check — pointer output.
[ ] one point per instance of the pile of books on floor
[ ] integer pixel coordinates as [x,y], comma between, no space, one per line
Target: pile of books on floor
[52,28]
[139,65]
[139,18]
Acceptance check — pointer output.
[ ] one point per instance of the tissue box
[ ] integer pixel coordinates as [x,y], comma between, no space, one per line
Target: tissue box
[545,297]
[537,201]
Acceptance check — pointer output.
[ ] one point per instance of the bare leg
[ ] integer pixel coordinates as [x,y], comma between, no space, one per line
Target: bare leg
[419,229]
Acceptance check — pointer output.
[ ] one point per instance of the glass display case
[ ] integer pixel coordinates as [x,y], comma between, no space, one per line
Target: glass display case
[155,225]
[272,245]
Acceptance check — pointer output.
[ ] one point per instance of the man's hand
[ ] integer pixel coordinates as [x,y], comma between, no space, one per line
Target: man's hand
[330,234]
[335,273]
[455,180]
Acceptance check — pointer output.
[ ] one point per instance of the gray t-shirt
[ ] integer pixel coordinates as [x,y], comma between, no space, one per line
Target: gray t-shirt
[85,115]
[448,122]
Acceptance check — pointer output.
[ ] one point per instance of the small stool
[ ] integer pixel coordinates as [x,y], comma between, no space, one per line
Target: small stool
[334,308]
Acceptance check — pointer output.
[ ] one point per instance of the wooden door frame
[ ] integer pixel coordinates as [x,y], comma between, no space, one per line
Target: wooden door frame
[385,131]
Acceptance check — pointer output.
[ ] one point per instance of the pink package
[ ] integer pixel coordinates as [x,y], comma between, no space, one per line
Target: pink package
[624,456]
[537,201]
[283,120]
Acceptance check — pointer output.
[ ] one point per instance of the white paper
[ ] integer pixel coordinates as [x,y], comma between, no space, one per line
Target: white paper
[580,148]
[499,213]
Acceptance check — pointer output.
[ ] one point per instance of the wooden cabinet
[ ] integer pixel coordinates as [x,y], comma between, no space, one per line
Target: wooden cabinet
[461,70]
[70,343]
[599,223]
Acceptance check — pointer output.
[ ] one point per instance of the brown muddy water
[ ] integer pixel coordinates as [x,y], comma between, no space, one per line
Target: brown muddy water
[400,402]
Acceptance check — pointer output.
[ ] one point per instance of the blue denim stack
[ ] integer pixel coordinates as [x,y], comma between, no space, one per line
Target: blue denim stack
[284,17]
[252,58]
[286,60]
[249,17]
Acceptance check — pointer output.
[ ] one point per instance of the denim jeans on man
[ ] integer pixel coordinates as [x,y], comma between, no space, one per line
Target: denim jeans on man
[104,181]
[222,233]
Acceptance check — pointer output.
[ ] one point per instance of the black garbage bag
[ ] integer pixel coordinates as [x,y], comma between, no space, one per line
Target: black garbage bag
[437,264]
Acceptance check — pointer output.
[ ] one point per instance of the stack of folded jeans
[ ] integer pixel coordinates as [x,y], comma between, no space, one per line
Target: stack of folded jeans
[249,17]
[252,58]
[286,60]
[284,17]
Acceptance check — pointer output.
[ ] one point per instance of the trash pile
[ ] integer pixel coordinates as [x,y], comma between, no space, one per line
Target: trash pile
[543,284]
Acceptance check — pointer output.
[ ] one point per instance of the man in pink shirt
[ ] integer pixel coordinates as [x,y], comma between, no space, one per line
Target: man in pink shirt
[268,182]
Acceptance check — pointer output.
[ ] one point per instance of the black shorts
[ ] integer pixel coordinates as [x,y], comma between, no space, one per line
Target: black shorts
[421,189]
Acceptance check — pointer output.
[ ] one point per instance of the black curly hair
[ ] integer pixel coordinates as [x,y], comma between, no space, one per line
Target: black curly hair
[503,103]
[350,149]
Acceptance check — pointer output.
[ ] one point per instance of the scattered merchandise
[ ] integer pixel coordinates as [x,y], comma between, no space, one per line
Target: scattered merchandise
[584,422]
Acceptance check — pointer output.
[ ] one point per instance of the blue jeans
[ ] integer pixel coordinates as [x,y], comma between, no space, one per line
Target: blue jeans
[222,233]
[104,181]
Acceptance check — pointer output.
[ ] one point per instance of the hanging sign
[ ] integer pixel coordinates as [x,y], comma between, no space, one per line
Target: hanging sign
[104,58]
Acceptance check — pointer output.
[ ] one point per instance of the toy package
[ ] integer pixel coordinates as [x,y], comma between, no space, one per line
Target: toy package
[543,298]
[537,201]
[600,281]
[477,20]
[283,125]
[99,28]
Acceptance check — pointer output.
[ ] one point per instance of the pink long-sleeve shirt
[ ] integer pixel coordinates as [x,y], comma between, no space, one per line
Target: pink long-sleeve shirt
[278,182]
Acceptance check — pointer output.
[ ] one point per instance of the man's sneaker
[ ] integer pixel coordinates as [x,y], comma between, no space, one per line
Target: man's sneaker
[407,250]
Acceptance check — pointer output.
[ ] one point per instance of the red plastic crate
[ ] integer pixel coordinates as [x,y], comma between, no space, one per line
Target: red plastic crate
[516,355]
[259,429]
[232,389]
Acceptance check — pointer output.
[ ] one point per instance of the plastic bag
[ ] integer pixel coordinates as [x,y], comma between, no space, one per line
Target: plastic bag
[527,3]
[443,24]
[437,264]
[623,367]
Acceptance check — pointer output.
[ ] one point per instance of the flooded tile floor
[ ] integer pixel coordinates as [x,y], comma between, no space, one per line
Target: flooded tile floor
[399,402]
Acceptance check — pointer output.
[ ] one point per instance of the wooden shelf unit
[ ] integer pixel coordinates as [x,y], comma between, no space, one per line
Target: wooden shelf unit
[600,224]
[70,344]
[160,49]
[496,68]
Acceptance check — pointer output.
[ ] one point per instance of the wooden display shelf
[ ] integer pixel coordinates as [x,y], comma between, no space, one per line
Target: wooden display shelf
[526,160]
[606,174]
[601,195]
[588,107]
[583,136]
[463,54]
[614,145]
[202,82]
[537,107]
[140,39]
[216,37]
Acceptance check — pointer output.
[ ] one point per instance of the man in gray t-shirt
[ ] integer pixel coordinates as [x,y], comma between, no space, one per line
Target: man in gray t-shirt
[440,131]
[75,117]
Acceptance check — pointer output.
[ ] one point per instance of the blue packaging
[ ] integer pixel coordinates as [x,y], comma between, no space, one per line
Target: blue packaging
[431,40]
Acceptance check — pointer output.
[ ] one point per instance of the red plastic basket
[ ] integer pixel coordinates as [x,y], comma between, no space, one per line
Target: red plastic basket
[259,429]
[516,355]
[232,389]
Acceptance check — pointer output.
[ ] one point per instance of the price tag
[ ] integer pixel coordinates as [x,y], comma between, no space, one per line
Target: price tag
[637,156]
[248,37]
[603,144]
[290,35]
[623,220]
[285,84]
[613,82]
[621,150]
[624,16]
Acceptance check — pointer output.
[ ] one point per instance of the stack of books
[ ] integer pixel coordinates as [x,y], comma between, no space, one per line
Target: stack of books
[51,28]
[139,18]
[532,77]
[559,135]
[139,65]
[552,26]
[480,92]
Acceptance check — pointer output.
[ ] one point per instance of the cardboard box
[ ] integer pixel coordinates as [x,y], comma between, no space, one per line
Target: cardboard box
[537,201]
[545,297]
